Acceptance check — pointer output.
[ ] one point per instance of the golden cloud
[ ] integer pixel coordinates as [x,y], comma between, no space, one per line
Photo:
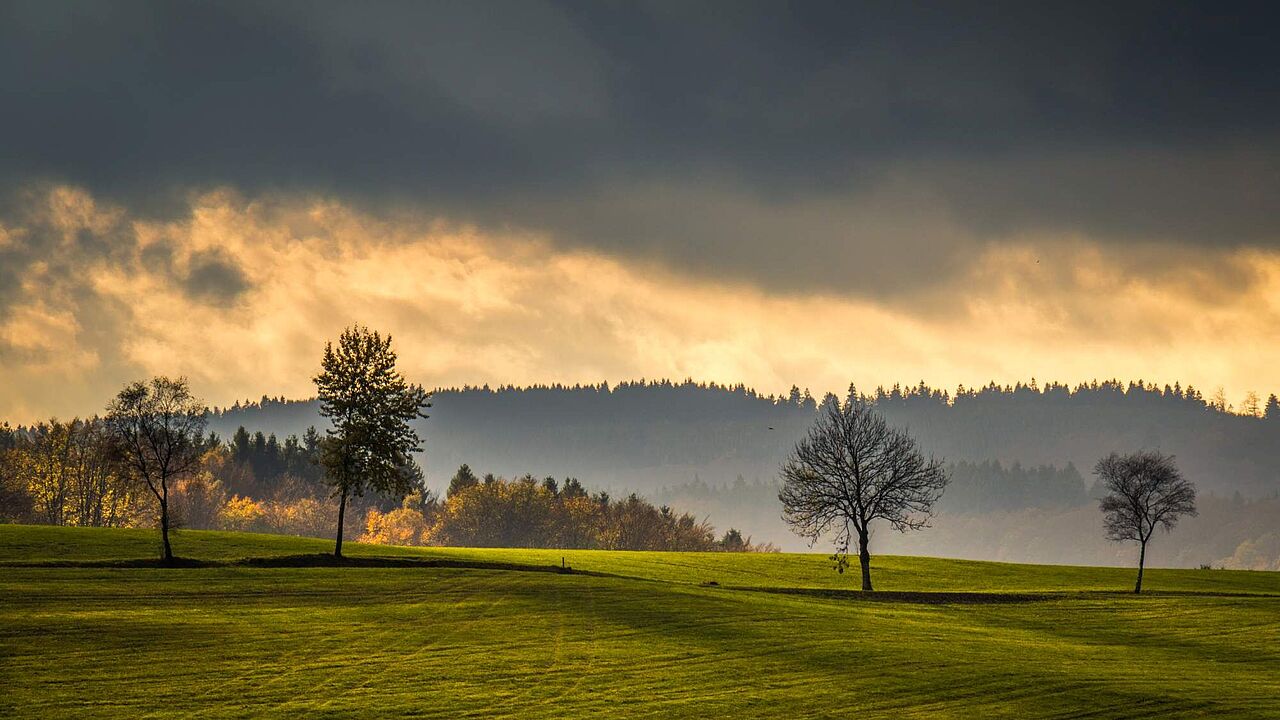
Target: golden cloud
[471,307]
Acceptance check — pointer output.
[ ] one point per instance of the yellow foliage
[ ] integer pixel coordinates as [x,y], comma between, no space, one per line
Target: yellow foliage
[402,526]
[244,514]
[307,516]
[197,501]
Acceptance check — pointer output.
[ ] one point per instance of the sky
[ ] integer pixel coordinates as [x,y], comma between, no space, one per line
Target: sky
[536,192]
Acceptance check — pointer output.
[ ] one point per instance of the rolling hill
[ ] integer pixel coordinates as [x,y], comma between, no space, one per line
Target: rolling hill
[87,630]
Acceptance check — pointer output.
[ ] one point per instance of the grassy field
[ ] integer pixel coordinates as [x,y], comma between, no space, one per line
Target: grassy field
[778,635]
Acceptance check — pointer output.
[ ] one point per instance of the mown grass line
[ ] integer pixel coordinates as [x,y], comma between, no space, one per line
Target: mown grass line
[234,639]
[40,544]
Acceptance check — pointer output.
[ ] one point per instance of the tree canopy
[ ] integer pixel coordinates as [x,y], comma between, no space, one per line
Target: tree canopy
[370,407]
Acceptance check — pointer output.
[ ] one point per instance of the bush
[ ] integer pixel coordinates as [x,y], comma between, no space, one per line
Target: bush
[402,526]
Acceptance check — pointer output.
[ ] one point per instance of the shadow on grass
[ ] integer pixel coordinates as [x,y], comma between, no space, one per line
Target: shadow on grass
[115,563]
[915,597]
[327,560]
[982,598]
[313,560]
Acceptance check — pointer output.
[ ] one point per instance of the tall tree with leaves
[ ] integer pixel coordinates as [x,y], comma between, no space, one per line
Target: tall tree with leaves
[1145,491]
[853,469]
[15,500]
[371,407]
[158,434]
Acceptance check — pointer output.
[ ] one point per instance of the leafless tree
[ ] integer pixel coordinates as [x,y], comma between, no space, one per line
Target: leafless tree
[853,469]
[102,494]
[158,429]
[49,469]
[1145,490]
[1252,405]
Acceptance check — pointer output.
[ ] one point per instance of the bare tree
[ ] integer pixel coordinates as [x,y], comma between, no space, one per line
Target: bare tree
[15,500]
[102,495]
[1145,491]
[1252,405]
[49,469]
[1219,400]
[851,470]
[158,430]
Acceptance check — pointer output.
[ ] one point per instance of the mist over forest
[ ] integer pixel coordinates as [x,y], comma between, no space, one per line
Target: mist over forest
[1020,457]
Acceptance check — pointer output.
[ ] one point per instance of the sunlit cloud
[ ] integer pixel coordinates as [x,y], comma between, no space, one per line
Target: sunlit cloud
[241,294]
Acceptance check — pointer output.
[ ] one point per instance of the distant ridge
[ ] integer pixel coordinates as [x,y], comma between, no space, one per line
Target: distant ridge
[647,434]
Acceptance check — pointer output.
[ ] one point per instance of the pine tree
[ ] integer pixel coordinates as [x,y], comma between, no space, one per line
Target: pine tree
[462,480]
[311,440]
[240,445]
[1273,408]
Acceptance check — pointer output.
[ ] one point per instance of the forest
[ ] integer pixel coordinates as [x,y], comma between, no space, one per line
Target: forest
[1021,456]
[63,473]
[1020,461]
[643,435]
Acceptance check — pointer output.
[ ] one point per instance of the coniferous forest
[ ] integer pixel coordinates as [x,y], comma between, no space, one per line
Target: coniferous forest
[701,457]
[1021,457]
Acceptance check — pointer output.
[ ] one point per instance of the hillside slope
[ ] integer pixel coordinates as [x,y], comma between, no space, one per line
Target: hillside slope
[643,436]
[715,451]
[236,640]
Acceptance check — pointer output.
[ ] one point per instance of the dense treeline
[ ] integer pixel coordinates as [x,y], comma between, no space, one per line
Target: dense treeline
[645,435]
[1231,532]
[658,438]
[974,520]
[261,462]
[990,486]
[69,473]
[974,488]
[1225,448]
[527,512]
[64,474]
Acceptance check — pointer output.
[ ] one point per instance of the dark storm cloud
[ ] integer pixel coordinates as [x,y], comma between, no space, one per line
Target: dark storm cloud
[214,278]
[787,144]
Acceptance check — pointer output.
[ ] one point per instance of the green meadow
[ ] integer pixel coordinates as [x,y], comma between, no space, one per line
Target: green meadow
[259,627]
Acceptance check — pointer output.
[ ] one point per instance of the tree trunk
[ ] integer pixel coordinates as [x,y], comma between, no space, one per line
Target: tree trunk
[1142,561]
[342,517]
[864,559]
[164,530]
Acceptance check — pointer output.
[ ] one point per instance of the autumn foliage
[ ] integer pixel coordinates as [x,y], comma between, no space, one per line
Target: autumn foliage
[59,473]
[528,513]
[531,514]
